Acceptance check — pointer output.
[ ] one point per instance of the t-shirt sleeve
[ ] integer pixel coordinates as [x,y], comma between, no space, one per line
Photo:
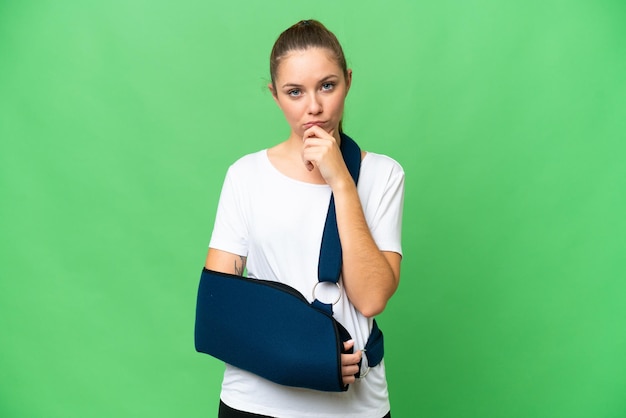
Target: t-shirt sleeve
[230,232]
[386,222]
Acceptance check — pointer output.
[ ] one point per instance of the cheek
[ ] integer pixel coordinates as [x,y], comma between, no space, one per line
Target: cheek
[294,110]
[337,105]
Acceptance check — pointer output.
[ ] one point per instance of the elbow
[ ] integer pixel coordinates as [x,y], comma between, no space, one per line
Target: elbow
[372,307]
[376,301]
[370,299]
[372,311]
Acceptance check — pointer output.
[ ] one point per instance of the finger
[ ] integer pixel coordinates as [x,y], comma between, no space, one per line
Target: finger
[307,163]
[349,359]
[350,370]
[348,374]
[317,132]
[347,380]
[312,132]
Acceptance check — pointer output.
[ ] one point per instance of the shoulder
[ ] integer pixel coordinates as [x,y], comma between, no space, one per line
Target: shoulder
[251,159]
[249,163]
[378,164]
[246,170]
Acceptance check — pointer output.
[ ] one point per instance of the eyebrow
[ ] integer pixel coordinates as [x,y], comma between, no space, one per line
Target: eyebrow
[328,77]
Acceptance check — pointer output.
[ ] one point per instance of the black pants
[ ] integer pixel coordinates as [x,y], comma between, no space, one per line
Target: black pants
[228,412]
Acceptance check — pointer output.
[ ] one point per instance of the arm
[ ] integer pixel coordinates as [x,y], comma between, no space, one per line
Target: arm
[225,262]
[370,276]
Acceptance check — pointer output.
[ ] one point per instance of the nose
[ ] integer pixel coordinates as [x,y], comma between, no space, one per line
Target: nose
[315,105]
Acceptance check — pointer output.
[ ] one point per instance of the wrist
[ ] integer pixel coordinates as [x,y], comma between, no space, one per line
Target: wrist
[345,184]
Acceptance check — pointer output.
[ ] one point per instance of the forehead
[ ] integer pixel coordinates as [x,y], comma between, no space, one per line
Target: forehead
[307,64]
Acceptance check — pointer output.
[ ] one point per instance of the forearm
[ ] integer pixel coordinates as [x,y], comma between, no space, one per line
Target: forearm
[369,276]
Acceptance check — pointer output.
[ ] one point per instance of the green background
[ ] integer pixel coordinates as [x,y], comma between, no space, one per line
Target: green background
[118,120]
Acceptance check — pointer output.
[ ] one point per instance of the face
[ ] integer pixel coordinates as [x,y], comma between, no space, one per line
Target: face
[310,90]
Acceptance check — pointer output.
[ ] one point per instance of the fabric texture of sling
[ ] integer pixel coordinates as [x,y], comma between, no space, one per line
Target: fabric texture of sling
[270,329]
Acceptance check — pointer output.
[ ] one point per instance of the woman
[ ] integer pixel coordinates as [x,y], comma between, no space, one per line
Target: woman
[271,215]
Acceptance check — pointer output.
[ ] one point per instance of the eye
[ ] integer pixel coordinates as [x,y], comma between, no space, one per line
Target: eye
[294,92]
[328,86]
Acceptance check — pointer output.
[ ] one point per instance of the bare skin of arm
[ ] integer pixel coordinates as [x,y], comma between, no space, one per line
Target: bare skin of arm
[225,262]
[370,276]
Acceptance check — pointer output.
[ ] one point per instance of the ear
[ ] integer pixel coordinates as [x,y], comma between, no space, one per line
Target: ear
[274,93]
[348,81]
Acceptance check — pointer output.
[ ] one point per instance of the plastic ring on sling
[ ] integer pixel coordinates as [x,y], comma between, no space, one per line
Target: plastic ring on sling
[338,292]
[367,366]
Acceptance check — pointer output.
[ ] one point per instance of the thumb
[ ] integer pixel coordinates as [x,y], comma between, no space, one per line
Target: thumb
[347,345]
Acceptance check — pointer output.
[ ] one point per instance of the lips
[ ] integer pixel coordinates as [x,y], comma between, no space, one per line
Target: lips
[314,123]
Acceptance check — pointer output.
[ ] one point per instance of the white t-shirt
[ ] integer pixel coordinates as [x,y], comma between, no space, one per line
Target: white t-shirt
[277,223]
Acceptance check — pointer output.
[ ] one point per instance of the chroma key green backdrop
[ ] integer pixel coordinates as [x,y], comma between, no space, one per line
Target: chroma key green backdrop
[118,120]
